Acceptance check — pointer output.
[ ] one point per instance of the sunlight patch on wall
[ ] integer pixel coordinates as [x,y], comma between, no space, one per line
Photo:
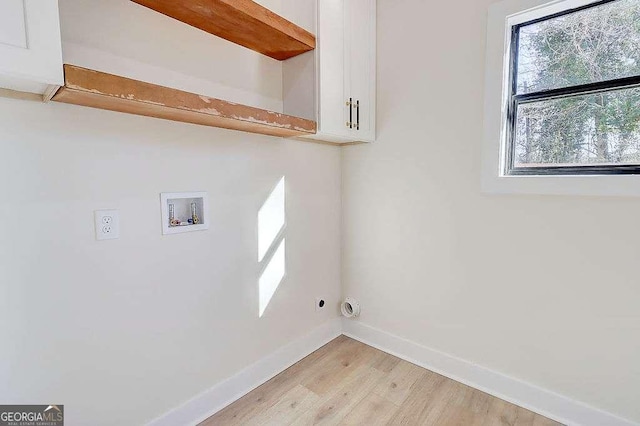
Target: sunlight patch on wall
[271,223]
[272,277]
[271,219]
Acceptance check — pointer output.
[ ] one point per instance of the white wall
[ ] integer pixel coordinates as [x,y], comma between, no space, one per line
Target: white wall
[148,321]
[123,331]
[541,288]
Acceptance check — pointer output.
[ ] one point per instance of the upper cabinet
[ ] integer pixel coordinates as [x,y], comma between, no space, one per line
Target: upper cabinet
[344,101]
[328,93]
[360,69]
[30,48]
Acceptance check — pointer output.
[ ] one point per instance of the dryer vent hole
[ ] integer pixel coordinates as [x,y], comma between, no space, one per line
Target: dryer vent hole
[348,308]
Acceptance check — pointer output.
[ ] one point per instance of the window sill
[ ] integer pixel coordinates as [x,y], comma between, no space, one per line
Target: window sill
[599,185]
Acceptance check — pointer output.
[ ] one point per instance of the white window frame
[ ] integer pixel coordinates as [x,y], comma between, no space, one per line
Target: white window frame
[502,17]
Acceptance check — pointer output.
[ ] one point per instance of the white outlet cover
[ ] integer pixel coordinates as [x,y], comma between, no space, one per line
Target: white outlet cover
[107,224]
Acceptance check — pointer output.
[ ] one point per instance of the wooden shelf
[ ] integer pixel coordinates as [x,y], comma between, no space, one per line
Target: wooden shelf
[243,22]
[107,91]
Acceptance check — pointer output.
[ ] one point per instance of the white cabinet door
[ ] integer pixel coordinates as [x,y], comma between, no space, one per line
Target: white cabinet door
[360,66]
[332,93]
[345,72]
[30,45]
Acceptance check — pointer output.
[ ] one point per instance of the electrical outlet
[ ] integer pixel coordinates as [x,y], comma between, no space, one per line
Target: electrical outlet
[320,304]
[107,224]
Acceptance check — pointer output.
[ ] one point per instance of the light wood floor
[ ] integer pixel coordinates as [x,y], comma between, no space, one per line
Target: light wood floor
[349,383]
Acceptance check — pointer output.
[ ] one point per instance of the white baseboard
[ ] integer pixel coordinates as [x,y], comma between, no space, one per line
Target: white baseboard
[542,401]
[215,399]
[523,394]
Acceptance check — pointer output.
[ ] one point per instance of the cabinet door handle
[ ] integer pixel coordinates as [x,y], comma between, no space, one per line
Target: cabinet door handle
[350,105]
[357,115]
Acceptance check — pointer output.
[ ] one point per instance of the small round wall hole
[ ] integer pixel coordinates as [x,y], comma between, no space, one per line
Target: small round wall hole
[321,303]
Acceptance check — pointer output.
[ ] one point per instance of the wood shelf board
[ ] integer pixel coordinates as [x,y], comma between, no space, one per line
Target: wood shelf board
[107,91]
[243,22]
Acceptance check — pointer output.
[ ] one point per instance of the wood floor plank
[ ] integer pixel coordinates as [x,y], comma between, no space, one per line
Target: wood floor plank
[501,413]
[397,384]
[256,401]
[334,369]
[524,417]
[341,400]
[373,410]
[349,383]
[426,401]
[479,405]
[466,407]
[386,363]
[287,409]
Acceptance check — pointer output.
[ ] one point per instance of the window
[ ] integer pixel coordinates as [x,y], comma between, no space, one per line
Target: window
[573,91]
